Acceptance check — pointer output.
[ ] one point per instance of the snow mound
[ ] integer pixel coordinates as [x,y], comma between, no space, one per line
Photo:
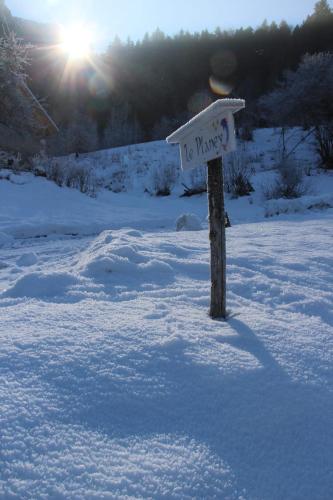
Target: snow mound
[188,222]
[27,259]
[39,285]
[115,256]
[5,239]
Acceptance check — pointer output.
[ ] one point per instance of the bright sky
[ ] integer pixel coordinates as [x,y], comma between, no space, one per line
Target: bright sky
[134,18]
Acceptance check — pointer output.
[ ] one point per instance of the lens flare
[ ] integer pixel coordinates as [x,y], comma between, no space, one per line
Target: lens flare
[220,88]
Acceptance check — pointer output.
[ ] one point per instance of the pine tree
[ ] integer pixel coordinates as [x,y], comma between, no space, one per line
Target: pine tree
[322,9]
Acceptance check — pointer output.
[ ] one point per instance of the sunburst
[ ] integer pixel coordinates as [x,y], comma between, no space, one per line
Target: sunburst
[76,42]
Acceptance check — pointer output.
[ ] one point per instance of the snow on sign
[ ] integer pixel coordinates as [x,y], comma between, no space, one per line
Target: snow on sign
[209,135]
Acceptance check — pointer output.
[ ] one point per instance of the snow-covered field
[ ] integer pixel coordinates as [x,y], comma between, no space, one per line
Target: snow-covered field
[114,381]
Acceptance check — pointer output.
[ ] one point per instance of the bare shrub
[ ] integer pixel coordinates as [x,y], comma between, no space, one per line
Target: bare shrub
[79,177]
[195,182]
[72,176]
[198,178]
[164,180]
[290,182]
[118,181]
[39,163]
[238,175]
[324,144]
[56,173]
[14,163]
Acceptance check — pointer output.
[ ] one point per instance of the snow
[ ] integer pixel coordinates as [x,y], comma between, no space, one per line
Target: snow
[119,254]
[115,383]
[221,107]
[5,239]
[133,168]
[27,259]
[188,222]
[283,206]
[40,285]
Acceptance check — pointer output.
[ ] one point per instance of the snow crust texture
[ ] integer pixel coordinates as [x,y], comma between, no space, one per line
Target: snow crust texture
[116,384]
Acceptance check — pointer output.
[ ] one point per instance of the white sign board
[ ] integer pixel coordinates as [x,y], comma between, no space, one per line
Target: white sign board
[208,135]
[216,138]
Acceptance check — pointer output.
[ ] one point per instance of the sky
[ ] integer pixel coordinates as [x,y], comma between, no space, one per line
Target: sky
[133,18]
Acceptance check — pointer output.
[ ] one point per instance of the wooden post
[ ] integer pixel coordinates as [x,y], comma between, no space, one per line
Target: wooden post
[215,187]
[204,139]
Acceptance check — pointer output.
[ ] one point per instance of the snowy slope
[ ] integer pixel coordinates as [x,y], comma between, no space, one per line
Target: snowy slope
[35,207]
[114,381]
[137,168]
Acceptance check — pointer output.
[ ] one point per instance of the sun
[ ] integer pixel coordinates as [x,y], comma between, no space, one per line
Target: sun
[76,41]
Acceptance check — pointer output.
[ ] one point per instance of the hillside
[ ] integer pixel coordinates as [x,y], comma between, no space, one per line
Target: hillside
[30,31]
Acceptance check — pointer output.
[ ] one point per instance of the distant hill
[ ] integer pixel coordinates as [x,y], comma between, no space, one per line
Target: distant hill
[36,33]
[30,31]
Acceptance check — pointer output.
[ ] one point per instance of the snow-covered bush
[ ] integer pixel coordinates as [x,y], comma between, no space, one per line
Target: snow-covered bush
[238,175]
[163,180]
[289,183]
[188,222]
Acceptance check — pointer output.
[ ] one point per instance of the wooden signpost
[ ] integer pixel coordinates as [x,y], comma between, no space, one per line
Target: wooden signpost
[205,139]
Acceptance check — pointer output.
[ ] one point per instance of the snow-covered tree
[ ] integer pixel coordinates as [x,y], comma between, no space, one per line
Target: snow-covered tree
[305,97]
[18,106]
[13,63]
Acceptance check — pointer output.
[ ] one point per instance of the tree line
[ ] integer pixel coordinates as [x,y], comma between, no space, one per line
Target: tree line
[142,91]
